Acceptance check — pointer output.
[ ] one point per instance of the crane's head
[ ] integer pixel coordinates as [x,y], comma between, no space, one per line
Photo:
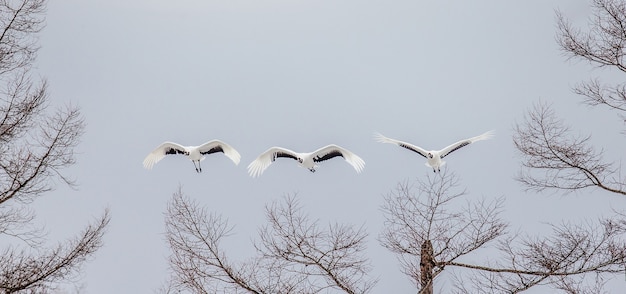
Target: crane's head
[430,155]
[300,160]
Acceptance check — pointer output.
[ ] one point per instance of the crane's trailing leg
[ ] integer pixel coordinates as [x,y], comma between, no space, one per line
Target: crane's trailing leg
[198,168]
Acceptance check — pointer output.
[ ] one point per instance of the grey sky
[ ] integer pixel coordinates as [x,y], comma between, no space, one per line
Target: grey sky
[301,75]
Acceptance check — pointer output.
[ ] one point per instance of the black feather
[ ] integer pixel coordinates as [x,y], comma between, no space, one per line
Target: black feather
[457,148]
[328,155]
[411,148]
[175,151]
[283,154]
[213,150]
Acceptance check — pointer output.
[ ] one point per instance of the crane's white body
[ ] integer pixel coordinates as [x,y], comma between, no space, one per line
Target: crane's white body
[194,153]
[434,157]
[307,160]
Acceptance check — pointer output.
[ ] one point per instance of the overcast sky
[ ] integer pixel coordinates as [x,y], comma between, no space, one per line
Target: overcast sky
[301,75]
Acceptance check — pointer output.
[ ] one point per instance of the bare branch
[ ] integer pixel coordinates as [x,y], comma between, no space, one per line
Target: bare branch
[26,172]
[334,254]
[604,43]
[22,270]
[597,93]
[562,260]
[197,261]
[23,102]
[555,159]
[16,221]
[19,21]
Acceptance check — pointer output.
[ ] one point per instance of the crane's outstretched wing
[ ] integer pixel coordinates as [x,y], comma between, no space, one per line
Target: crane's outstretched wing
[160,152]
[456,146]
[219,146]
[261,163]
[382,139]
[332,151]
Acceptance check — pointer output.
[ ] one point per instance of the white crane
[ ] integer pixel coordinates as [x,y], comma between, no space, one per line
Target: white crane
[194,153]
[306,160]
[434,156]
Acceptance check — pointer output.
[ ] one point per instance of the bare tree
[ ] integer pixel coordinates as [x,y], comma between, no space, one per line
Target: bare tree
[553,156]
[578,258]
[294,254]
[430,232]
[35,146]
[603,45]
